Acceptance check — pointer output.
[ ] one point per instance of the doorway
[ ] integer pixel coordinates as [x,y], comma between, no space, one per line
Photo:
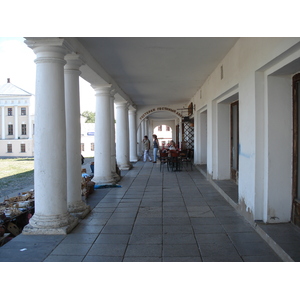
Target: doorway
[234,138]
[296,149]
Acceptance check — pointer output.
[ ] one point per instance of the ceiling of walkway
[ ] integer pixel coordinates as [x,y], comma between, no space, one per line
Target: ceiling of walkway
[159,71]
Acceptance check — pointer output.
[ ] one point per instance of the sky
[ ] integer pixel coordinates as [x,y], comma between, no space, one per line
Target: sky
[17,63]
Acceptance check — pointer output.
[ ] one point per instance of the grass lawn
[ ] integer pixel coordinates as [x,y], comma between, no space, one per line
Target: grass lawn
[15,171]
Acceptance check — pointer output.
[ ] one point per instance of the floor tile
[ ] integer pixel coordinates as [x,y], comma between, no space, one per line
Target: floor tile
[244,237]
[142,259]
[64,258]
[262,258]
[71,249]
[117,229]
[253,249]
[99,258]
[147,229]
[146,238]
[205,221]
[148,221]
[217,250]
[212,238]
[120,221]
[145,250]
[177,229]
[87,229]
[106,238]
[180,238]
[211,228]
[107,249]
[238,228]
[220,258]
[182,259]
[80,238]
[176,221]
[186,250]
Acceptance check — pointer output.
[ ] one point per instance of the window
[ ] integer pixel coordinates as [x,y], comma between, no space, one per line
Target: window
[159,128]
[9,111]
[23,148]
[23,111]
[92,147]
[167,128]
[23,129]
[9,148]
[10,129]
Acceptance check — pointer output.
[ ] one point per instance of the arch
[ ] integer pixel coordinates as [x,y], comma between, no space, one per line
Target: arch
[159,109]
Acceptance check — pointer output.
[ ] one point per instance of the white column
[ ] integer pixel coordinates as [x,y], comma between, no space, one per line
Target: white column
[113,138]
[16,125]
[3,122]
[102,156]
[147,128]
[143,128]
[180,131]
[73,133]
[122,150]
[51,214]
[132,135]
[142,136]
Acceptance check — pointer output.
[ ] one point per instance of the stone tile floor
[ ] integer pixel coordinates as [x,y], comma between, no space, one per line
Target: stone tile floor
[154,217]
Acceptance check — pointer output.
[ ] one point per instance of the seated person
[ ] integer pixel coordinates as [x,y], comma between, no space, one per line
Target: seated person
[84,174]
[172,145]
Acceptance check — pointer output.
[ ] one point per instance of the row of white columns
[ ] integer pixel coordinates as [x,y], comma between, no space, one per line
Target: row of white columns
[57,175]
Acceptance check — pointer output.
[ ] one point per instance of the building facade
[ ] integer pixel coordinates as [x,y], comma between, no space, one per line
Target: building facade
[16,121]
[245,125]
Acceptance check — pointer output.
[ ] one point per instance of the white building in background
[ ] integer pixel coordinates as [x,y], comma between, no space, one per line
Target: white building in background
[164,134]
[87,138]
[16,121]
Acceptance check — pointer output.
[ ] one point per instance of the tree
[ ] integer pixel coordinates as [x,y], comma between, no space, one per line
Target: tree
[89,115]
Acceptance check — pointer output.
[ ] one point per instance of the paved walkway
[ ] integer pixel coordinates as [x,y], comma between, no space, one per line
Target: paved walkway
[154,217]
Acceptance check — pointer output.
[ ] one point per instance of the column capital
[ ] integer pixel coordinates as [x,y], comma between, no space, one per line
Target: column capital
[132,109]
[113,91]
[41,43]
[102,90]
[122,104]
[74,61]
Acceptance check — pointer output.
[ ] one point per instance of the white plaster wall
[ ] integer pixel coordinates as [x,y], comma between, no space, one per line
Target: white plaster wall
[241,68]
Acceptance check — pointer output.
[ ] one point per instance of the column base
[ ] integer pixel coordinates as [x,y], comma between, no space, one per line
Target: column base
[134,159]
[116,176]
[100,180]
[50,225]
[79,211]
[125,167]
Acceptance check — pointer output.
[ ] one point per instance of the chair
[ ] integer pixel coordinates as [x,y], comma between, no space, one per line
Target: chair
[163,160]
[175,160]
[185,159]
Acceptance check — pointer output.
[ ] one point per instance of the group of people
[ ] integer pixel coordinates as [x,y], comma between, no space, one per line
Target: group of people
[146,143]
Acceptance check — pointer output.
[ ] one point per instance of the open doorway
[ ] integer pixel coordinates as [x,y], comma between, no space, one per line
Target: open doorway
[234,138]
[296,149]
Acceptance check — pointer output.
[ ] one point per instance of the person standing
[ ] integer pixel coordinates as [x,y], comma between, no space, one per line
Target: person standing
[146,144]
[155,147]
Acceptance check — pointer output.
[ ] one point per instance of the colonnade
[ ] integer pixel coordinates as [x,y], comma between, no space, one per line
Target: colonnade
[57,176]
